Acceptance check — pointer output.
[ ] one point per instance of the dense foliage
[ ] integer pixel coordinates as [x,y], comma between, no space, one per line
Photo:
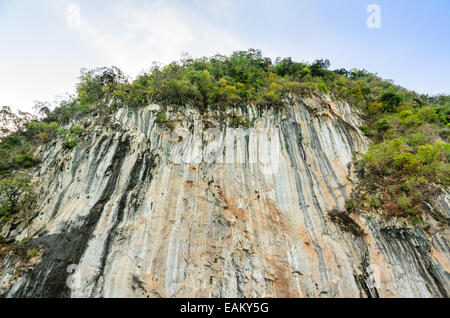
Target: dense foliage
[16,195]
[408,161]
[406,164]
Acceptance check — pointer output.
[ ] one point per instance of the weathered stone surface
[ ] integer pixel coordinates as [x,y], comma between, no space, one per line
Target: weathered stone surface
[141,214]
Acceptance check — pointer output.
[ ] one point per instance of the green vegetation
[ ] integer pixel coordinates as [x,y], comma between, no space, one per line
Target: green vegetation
[32,253]
[217,82]
[365,130]
[238,121]
[390,102]
[161,118]
[406,165]
[71,136]
[409,158]
[21,135]
[16,195]
[69,144]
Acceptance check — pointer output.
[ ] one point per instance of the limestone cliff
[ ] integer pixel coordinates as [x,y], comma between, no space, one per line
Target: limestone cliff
[202,209]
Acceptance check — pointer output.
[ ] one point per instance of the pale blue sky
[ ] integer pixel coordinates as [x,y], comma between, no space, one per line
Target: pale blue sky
[42,50]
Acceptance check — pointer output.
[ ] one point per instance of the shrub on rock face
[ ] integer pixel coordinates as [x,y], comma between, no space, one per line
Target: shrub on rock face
[237,122]
[76,130]
[15,195]
[351,205]
[380,157]
[45,131]
[32,253]
[374,107]
[365,130]
[161,118]
[69,144]
[382,126]
[390,102]
[427,114]
[406,161]
[323,88]
[404,202]
[429,154]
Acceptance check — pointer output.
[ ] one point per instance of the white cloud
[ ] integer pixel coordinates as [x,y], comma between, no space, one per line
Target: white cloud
[28,81]
[73,16]
[140,34]
[219,7]
[128,34]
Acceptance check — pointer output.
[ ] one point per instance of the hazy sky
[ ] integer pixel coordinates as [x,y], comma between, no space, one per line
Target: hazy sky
[43,43]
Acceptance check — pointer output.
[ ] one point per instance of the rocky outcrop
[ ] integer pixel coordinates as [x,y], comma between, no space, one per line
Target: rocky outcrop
[195,208]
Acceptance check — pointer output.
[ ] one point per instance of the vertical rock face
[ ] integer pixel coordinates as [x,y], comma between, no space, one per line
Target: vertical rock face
[141,210]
